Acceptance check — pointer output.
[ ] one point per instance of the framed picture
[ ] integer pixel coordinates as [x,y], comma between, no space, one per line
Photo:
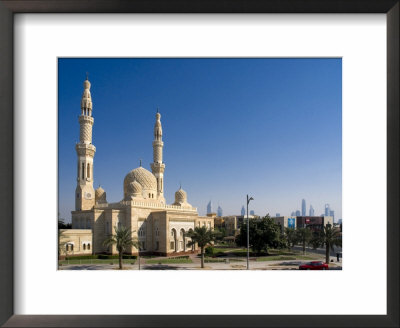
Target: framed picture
[34,293]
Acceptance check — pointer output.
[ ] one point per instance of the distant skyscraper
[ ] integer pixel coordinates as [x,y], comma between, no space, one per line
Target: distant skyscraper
[278,214]
[293,214]
[332,214]
[209,208]
[252,212]
[303,208]
[219,211]
[243,211]
[311,210]
[327,210]
[297,213]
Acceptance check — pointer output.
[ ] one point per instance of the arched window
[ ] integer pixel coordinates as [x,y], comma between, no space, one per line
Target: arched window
[88,170]
[72,247]
[88,247]
[84,247]
[83,170]
[66,248]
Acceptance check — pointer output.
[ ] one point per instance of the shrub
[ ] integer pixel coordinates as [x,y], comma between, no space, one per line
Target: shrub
[209,251]
[112,257]
[82,257]
[180,257]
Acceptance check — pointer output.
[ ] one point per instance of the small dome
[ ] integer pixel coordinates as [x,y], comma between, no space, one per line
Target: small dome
[143,177]
[100,195]
[99,191]
[180,196]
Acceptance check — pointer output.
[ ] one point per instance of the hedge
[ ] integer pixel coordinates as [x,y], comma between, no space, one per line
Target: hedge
[111,257]
[100,257]
[179,257]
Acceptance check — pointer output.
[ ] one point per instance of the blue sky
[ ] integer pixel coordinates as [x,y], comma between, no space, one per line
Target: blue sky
[270,128]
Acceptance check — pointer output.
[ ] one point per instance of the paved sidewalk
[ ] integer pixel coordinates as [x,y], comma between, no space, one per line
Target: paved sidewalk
[231,265]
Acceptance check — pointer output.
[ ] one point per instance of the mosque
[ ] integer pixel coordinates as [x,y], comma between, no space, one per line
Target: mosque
[160,228]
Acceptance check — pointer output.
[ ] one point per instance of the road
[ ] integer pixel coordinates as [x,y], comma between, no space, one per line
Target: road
[320,250]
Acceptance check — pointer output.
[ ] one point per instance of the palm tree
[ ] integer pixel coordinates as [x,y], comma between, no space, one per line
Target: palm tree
[123,240]
[304,236]
[203,237]
[330,237]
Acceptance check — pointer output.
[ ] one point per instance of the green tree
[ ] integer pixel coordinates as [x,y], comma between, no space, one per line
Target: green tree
[63,225]
[316,239]
[220,233]
[263,233]
[304,236]
[330,237]
[290,237]
[123,240]
[203,237]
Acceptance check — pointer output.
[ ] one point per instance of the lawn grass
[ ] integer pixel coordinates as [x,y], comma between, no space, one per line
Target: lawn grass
[276,258]
[96,261]
[169,261]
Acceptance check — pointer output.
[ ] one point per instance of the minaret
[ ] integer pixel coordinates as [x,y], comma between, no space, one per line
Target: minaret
[84,195]
[157,167]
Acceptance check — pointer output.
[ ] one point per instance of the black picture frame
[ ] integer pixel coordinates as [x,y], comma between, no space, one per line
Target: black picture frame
[10,7]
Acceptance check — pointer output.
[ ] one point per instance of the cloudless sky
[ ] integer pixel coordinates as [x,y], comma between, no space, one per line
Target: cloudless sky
[270,128]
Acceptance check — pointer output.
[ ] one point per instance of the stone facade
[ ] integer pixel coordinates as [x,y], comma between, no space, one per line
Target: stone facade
[160,228]
[75,241]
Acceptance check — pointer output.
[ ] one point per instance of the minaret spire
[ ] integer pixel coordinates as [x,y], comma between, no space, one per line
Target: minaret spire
[84,198]
[158,166]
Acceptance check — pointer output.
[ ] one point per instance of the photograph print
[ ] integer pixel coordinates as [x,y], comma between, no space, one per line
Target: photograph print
[199,164]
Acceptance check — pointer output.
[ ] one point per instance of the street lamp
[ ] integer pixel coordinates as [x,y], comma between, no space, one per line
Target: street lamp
[248,230]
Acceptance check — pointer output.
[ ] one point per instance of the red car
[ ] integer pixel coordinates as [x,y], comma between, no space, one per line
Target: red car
[314,265]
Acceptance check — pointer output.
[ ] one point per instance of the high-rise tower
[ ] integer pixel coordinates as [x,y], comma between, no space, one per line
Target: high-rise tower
[209,207]
[311,210]
[85,198]
[158,167]
[303,207]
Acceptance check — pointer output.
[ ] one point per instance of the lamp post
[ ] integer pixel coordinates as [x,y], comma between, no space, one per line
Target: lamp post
[248,230]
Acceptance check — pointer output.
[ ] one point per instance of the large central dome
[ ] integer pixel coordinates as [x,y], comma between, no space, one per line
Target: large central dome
[144,177]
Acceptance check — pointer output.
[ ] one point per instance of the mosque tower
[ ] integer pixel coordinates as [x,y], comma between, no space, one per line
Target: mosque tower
[85,195]
[158,167]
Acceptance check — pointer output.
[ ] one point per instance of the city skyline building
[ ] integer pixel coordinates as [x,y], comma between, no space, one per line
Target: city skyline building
[332,214]
[303,207]
[219,211]
[252,212]
[278,214]
[298,213]
[311,213]
[209,207]
[243,211]
[327,209]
